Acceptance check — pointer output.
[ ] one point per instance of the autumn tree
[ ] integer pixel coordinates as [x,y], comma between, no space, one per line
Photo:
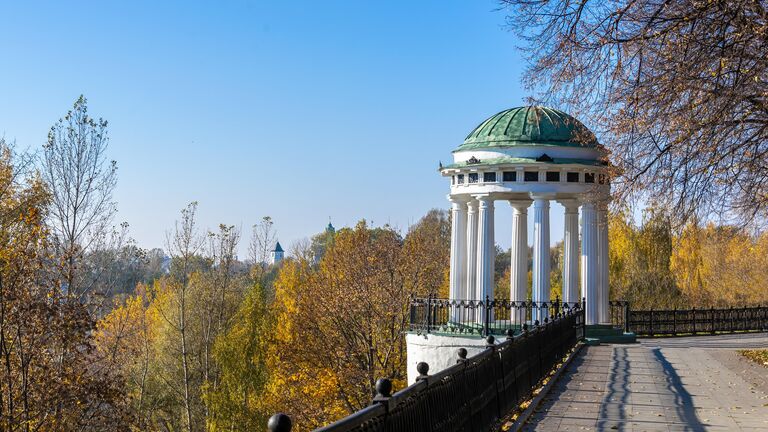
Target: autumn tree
[81,180]
[340,324]
[639,260]
[426,252]
[184,243]
[51,378]
[127,338]
[164,337]
[263,240]
[676,89]
[721,266]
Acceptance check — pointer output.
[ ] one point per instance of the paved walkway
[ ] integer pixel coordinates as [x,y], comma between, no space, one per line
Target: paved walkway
[681,384]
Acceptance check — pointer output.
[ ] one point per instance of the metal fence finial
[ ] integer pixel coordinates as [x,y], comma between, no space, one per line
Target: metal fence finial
[279,423]
[384,393]
[490,342]
[462,354]
[422,368]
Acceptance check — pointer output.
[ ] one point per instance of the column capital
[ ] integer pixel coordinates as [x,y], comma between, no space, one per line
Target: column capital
[457,198]
[520,205]
[483,197]
[571,205]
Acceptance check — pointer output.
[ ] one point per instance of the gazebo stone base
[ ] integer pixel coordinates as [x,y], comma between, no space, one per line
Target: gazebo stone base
[605,333]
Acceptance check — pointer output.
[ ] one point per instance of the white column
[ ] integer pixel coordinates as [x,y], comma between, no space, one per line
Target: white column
[471,251]
[602,263]
[589,260]
[571,252]
[484,241]
[492,243]
[458,248]
[518,288]
[541,252]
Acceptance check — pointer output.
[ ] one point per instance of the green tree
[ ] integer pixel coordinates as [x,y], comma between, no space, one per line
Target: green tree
[236,403]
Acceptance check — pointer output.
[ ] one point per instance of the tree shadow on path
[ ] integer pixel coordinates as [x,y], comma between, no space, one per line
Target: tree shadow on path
[613,409]
[683,404]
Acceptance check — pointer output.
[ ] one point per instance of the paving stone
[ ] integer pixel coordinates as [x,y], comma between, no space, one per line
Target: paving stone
[669,384]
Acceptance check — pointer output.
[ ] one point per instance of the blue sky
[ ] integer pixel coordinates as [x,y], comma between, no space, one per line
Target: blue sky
[298,110]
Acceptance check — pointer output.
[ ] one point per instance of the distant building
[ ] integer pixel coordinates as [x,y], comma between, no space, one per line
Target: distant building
[321,241]
[277,254]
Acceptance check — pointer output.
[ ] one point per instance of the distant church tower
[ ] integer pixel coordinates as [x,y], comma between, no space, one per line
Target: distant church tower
[277,254]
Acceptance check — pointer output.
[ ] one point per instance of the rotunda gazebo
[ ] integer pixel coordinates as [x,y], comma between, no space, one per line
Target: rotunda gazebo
[531,156]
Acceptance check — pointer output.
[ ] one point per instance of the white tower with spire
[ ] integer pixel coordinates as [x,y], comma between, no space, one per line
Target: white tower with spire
[277,254]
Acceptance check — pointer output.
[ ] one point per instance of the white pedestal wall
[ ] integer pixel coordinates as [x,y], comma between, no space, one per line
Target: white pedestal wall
[438,351]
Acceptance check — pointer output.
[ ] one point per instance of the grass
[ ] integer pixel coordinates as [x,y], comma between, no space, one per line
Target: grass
[758,356]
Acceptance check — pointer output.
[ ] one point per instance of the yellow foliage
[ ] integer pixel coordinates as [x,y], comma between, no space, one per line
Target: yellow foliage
[721,266]
[340,325]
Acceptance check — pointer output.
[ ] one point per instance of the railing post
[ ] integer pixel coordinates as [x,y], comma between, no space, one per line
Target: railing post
[712,319]
[746,327]
[650,323]
[413,312]
[674,321]
[429,312]
[731,318]
[626,317]
[693,311]
[487,313]
[279,423]
[583,318]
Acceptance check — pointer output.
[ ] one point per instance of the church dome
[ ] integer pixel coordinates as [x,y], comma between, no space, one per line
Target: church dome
[529,125]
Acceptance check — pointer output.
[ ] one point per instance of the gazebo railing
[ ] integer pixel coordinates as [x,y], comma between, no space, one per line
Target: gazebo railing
[480,317]
[475,393]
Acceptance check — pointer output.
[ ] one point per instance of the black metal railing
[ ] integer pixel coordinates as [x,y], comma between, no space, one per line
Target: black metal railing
[673,322]
[472,395]
[620,314]
[480,317]
[698,321]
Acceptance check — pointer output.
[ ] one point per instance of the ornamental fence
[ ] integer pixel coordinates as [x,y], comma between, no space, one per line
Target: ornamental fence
[673,322]
[480,317]
[475,393]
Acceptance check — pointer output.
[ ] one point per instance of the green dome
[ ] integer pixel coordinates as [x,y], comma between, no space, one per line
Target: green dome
[531,125]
